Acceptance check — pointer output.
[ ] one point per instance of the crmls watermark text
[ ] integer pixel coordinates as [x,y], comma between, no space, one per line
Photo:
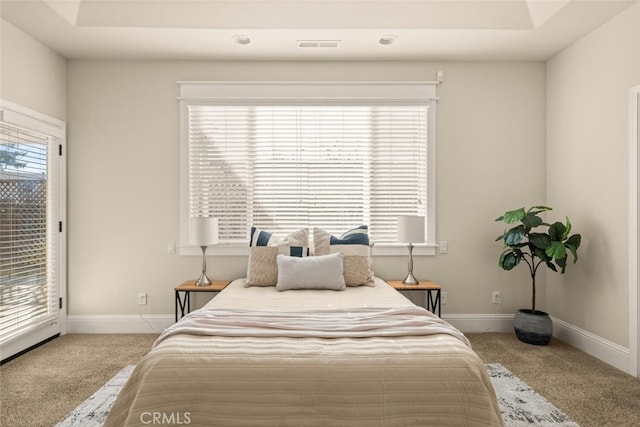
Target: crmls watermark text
[173,418]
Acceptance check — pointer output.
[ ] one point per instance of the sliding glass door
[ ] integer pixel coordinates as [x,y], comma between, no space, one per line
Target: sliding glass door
[30,236]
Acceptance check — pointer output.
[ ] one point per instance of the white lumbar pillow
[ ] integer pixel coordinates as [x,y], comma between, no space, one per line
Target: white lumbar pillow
[315,272]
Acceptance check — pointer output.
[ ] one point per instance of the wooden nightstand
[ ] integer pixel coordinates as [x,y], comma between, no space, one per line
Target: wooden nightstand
[432,291]
[190,286]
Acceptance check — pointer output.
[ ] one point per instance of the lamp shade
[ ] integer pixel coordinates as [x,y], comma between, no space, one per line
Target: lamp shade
[204,231]
[411,229]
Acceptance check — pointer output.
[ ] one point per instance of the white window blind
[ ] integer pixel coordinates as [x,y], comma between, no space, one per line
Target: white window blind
[28,291]
[289,162]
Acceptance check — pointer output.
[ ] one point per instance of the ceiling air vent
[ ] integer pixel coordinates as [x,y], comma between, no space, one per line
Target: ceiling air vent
[319,43]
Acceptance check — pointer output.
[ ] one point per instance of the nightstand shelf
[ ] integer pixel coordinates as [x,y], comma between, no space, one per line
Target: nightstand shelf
[184,303]
[431,289]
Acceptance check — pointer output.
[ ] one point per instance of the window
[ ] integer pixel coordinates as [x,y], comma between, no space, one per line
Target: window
[30,218]
[286,162]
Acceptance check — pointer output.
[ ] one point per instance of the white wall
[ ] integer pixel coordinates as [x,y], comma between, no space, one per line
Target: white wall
[587,173]
[123,175]
[31,74]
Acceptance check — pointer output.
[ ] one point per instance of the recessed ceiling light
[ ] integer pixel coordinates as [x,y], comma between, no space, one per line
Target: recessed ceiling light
[242,39]
[388,39]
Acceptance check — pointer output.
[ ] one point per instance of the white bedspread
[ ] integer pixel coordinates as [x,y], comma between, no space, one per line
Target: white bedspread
[250,379]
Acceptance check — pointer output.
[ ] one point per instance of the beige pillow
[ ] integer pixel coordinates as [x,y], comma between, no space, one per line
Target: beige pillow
[354,244]
[264,247]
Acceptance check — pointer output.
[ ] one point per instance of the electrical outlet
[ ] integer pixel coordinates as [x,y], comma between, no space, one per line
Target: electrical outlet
[142,298]
[443,298]
[495,297]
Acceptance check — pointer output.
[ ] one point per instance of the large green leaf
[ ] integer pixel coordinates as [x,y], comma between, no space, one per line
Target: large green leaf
[534,210]
[540,208]
[540,240]
[574,252]
[574,241]
[562,263]
[531,221]
[556,231]
[551,266]
[556,251]
[540,253]
[509,259]
[567,229]
[514,235]
[514,216]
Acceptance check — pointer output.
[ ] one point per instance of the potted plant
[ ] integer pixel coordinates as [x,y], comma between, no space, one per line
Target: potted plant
[536,243]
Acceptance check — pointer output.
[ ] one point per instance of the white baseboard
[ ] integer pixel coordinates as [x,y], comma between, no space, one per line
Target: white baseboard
[600,348]
[118,324]
[476,323]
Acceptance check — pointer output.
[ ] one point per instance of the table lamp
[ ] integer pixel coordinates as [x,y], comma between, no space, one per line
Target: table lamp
[204,232]
[411,230]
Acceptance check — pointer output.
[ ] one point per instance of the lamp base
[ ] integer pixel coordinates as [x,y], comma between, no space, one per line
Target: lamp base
[410,279]
[203,281]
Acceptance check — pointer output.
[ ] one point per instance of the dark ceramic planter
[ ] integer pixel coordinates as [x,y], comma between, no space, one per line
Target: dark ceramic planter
[533,328]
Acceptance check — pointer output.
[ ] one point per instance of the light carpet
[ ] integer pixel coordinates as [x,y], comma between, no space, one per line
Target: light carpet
[519,404]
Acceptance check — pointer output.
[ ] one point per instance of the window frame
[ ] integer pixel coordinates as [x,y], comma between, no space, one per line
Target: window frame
[202,93]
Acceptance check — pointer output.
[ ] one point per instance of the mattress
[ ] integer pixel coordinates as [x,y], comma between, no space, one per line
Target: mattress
[258,357]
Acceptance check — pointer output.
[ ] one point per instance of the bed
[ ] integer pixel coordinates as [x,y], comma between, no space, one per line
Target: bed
[255,356]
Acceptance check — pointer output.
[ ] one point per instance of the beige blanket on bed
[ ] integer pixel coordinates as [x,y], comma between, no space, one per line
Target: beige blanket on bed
[337,323]
[255,380]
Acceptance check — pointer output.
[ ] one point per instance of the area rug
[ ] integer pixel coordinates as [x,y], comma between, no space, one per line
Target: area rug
[519,404]
[93,411]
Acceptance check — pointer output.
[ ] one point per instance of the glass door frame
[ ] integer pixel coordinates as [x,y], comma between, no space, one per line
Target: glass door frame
[22,117]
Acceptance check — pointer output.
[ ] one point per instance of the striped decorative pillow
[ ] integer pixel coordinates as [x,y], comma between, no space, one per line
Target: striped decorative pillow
[354,244]
[264,249]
